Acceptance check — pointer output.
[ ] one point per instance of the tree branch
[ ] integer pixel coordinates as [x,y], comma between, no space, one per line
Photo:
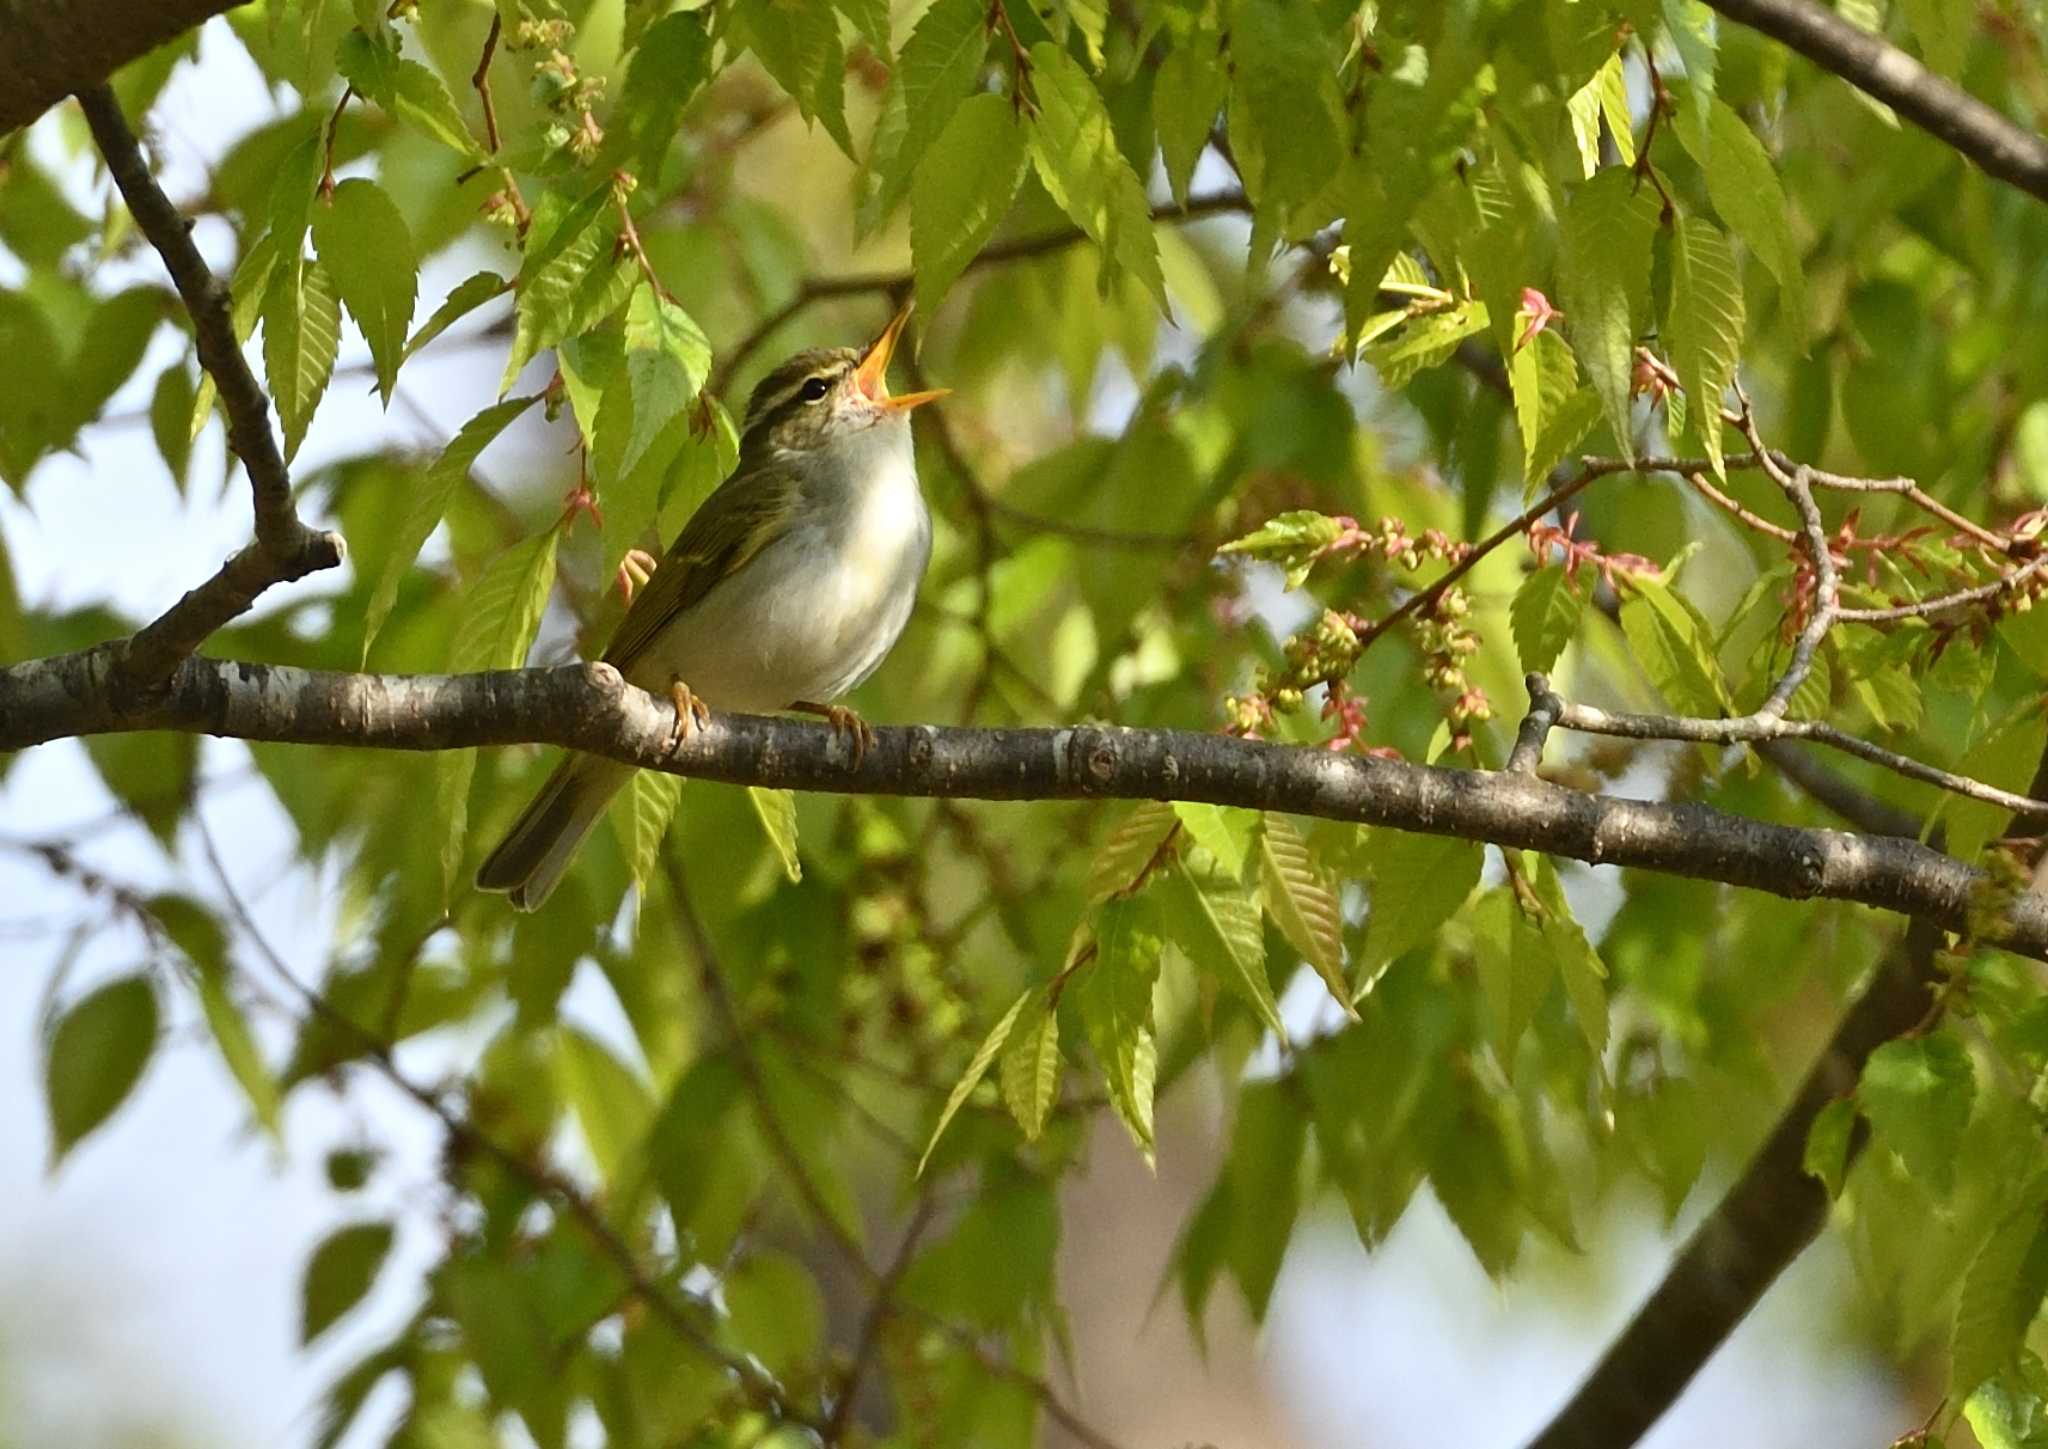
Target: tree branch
[2003,148]
[284,548]
[589,707]
[50,49]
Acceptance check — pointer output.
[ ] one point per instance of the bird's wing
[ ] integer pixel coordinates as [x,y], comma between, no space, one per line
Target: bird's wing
[749,511]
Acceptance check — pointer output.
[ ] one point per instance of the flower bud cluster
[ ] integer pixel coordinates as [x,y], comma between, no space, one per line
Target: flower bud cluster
[560,88]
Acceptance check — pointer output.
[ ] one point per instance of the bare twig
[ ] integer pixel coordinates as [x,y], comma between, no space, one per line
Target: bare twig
[284,549]
[880,1307]
[480,80]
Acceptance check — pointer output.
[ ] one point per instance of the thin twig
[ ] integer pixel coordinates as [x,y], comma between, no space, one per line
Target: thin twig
[481,80]
[880,1306]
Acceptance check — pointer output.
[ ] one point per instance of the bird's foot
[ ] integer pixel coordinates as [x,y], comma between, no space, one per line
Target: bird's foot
[635,569]
[692,714]
[859,733]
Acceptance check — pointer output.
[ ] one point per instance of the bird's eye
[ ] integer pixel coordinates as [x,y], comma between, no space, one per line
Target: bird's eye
[814,388]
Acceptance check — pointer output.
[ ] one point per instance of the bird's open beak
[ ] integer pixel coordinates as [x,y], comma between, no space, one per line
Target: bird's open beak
[872,376]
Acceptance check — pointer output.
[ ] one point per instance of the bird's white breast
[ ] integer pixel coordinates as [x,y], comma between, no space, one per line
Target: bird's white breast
[814,613]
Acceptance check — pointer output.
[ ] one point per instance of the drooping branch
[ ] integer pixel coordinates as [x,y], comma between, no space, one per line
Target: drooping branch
[284,548]
[2001,146]
[589,707]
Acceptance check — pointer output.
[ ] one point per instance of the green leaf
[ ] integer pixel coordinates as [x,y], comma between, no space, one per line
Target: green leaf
[1074,150]
[500,615]
[1917,1093]
[1604,285]
[1286,88]
[1116,1012]
[1578,965]
[1423,343]
[94,1057]
[152,775]
[430,502]
[654,798]
[1131,850]
[961,192]
[1030,1072]
[301,338]
[2001,1293]
[363,242]
[984,1057]
[1514,967]
[170,419]
[1675,646]
[668,68]
[612,1105]
[1225,831]
[2006,755]
[1704,327]
[469,294]
[246,293]
[777,812]
[339,1275]
[665,361]
[1827,1144]
[1544,616]
[1418,883]
[1943,32]
[1299,899]
[2010,1413]
[1746,191]
[799,45]
[777,1310]
[567,280]
[1293,540]
[1691,25]
[1604,97]
[195,932]
[1264,1174]
[1216,921]
[406,89]
[1551,411]
[1186,97]
[935,71]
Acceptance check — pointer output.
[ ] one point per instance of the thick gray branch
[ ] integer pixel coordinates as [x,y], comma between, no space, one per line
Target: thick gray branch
[2002,147]
[51,48]
[284,548]
[588,707]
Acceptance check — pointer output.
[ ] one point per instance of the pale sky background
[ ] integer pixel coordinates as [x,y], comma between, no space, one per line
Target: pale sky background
[152,1283]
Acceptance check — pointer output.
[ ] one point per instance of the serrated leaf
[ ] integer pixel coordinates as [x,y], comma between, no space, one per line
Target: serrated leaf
[1116,1011]
[1603,98]
[1293,540]
[1745,189]
[1704,327]
[1514,966]
[1691,25]
[1917,1093]
[1225,831]
[799,45]
[500,615]
[1675,647]
[406,89]
[94,1056]
[195,932]
[1426,342]
[565,276]
[1030,1073]
[1284,86]
[1418,882]
[984,1057]
[246,292]
[1073,148]
[2006,754]
[469,294]
[362,241]
[961,192]
[2001,1292]
[1604,284]
[1544,616]
[935,71]
[340,1274]
[777,812]
[301,338]
[1130,850]
[1216,921]
[1579,966]
[654,798]
[1186,97]
[1544,383]
[1300,901]
[663,364]
[430,501]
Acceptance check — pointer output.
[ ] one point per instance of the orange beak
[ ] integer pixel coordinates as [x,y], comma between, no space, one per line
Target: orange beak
[872,376]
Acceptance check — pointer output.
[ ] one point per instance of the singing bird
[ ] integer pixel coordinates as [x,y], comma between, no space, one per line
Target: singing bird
[786,589]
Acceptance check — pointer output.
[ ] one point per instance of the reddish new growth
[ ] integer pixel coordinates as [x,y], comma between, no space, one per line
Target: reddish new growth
[1548,540]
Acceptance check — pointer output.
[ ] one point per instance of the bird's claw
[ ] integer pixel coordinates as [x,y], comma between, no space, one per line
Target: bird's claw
[692,714]
[860,735]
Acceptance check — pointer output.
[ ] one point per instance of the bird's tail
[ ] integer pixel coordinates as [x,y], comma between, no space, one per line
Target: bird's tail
[543,840]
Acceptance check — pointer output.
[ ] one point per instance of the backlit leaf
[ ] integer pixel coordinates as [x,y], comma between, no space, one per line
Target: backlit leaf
[94,1056]
[1301,902]
[961,193]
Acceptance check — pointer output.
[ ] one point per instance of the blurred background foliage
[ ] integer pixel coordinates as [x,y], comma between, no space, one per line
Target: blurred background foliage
[1145,237]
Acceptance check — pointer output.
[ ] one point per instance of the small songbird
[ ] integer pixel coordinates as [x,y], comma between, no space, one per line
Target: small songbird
[785,590]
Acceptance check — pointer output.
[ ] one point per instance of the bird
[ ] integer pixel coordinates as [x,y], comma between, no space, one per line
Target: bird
[785,590]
